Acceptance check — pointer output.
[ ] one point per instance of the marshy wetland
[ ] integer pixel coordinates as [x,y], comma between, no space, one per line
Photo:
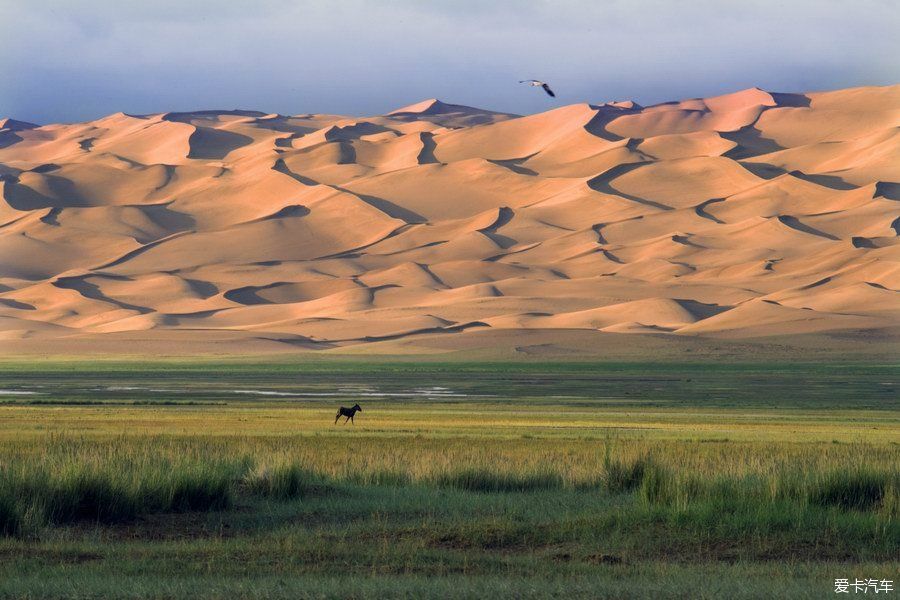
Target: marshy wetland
[456,480]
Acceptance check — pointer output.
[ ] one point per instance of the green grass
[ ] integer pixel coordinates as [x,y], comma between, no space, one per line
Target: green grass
[67,484]
[281,482]
[622,476]
[482,480]
[573,480]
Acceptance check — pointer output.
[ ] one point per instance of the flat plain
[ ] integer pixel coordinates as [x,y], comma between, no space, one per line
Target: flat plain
[217,478]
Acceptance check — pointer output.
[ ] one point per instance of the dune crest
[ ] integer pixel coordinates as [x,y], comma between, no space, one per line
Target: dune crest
[748,214]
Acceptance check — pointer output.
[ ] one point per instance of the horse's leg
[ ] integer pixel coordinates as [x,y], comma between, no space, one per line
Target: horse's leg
[351,420]
[336,417]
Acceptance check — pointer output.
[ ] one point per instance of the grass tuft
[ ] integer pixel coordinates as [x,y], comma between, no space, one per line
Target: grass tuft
[205,490]
[109,489]
[281,482]
[483,480]
[863,489]
[10,515]
[625,475]
[84,496]
[388,477]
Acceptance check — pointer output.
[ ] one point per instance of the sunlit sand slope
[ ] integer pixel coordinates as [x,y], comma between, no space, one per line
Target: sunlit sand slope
[745,215]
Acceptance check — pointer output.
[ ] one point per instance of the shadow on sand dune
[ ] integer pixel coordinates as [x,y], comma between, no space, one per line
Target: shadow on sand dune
[93,291]
[601,183]
[750,142]
[23,197]
[426,156]
[208,143]
[795,223]
[790,100]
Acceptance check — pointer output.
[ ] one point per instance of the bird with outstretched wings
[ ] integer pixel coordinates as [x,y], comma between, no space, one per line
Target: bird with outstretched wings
[536,83]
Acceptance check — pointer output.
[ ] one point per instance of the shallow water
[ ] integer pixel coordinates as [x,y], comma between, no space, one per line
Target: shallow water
[132,392]
[807,386]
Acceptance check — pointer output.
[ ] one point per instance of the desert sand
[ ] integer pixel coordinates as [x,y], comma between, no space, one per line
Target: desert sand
[742,216]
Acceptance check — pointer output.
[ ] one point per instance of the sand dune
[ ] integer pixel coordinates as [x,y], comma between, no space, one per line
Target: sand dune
[744,215]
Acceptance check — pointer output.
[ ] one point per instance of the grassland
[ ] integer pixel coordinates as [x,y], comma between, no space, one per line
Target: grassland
[226,479]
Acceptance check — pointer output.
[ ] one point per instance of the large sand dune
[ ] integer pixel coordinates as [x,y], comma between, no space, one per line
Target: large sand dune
[745,215]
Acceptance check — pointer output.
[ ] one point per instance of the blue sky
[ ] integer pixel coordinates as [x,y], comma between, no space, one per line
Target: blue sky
[68,60]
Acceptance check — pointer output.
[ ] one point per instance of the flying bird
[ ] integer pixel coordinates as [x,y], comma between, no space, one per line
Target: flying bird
[535,83]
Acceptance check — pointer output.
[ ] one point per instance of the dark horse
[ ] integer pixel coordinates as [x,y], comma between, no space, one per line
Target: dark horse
[347,412]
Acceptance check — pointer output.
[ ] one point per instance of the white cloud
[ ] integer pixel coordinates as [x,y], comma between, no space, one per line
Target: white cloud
[361,56]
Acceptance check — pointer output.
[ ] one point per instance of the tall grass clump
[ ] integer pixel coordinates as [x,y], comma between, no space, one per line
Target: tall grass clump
[80,494]
[484,480]
[113,483]
[282,481]
[859,489]
[377,476]
[10,514]
[620,475]
[657,486]
[88,493]
[202,488]
[857,502]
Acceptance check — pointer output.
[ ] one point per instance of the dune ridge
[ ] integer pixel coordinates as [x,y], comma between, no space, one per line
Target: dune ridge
[744,215]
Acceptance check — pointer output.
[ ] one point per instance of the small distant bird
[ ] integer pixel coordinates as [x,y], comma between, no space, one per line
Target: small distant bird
[535,83]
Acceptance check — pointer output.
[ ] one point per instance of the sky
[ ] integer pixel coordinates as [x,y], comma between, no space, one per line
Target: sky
[74,60]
